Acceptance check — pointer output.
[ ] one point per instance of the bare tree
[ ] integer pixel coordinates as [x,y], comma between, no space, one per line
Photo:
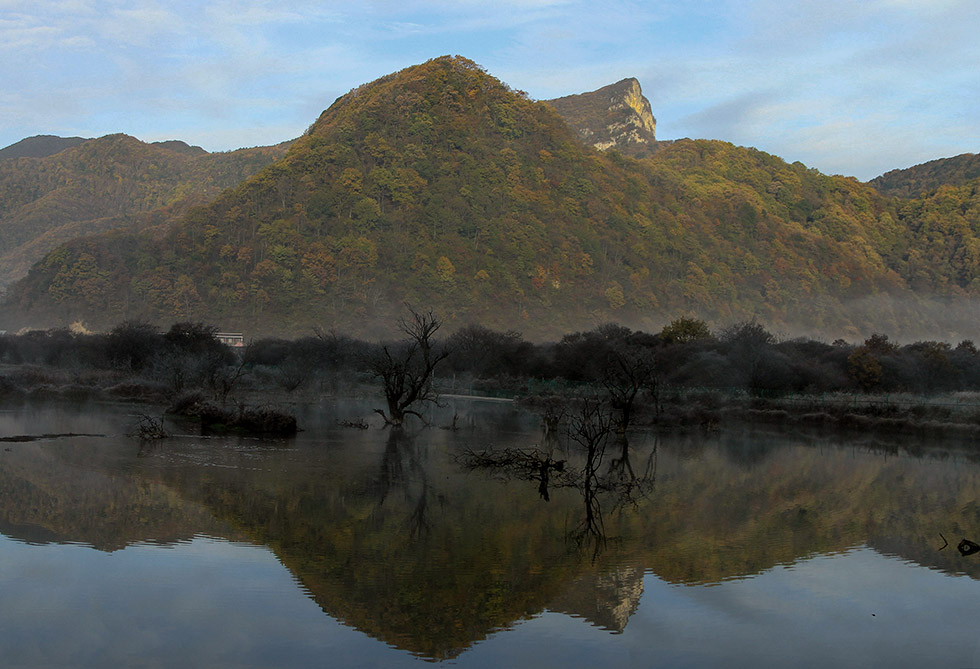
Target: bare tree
[406,370]
[222,379]
[590,428]
[629,370]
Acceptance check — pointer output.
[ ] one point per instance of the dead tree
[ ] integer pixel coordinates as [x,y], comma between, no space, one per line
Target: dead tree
[629,370]
[590,428]
[523,464]
[406,370]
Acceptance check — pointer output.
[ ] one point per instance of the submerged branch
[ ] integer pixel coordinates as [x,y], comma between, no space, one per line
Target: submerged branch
[523,464]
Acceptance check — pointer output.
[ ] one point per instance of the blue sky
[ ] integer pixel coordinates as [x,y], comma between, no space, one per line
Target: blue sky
[853,88]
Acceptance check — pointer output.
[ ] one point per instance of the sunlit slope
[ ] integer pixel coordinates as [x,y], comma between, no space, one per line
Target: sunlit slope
[104,184]
[922,179]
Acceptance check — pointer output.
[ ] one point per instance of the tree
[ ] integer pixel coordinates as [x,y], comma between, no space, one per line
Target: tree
[629,369]
[864,369]
[406,369]
[488,354]
[581,356]
[131,344]
[749,349]
[684,330]
[191,355]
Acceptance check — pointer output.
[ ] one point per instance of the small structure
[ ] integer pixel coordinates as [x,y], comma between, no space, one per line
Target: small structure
[233,339]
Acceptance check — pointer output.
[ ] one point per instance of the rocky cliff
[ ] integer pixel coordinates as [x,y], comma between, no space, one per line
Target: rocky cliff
[615,116]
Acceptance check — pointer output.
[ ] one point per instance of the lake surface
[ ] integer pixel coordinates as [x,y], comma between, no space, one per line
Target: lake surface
[371,547]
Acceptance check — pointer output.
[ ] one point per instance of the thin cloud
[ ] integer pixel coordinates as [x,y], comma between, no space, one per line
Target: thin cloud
[809,80]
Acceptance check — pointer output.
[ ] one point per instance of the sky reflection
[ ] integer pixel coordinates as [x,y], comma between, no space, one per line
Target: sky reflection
[853,609]
[206,602]
[217,603]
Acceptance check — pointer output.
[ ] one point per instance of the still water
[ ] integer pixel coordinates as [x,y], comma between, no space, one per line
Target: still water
[369,547]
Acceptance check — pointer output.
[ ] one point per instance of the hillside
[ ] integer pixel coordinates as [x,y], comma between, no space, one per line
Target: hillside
[103,184]
[922,179]
[441,187]
[39,146]
[944,257]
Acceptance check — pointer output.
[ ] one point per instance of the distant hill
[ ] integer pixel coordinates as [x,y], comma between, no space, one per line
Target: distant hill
[615,116]
[108,183]
[921,179]
[440,187]
[944,225]
[181,147]
[939,208]
[39,146]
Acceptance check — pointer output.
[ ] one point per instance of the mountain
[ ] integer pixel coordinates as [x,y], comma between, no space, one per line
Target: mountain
[441,187]
[921,179]
[181,147]
[103,184]
[939,207]
[944,225]
[39,146]
[615,116]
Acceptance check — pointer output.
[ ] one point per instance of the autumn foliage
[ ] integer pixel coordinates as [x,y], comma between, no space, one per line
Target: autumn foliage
[439,185]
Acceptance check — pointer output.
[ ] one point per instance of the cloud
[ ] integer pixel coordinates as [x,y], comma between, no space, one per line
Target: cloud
[808,80]
[20,34]
[253,14]
[846,87]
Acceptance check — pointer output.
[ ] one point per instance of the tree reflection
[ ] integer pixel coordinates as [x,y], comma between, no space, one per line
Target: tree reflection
[391,474]
[621,479]
[403,469]
[589,430]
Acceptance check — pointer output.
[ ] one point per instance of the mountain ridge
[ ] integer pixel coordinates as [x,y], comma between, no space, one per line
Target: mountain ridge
[918,180]
[439,186]
[39,146]
[115,181]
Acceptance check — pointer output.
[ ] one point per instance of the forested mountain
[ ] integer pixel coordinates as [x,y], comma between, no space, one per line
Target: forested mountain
[39,146]
[922,179]
[103,184]
[944,255]
[441,187]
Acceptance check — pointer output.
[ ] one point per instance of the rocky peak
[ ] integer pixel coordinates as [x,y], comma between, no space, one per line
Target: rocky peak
[606,599]
[615,116]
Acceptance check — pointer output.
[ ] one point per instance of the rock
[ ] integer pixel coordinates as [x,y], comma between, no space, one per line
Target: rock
[615,116]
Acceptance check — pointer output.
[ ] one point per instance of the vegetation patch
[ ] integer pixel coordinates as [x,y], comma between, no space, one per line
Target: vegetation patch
[242,419]
[685,376]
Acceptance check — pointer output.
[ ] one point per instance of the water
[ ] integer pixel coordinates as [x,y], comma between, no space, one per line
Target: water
[351,547]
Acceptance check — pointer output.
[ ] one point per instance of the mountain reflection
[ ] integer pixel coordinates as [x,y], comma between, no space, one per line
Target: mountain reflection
[61,493]
[391,533]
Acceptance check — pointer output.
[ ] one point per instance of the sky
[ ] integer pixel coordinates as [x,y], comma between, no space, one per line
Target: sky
[852,88]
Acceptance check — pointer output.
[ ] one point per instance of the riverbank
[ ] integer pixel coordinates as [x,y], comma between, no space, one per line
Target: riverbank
[943,414]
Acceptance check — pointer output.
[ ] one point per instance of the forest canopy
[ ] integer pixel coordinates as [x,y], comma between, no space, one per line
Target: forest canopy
[440,185]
